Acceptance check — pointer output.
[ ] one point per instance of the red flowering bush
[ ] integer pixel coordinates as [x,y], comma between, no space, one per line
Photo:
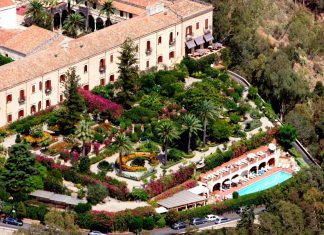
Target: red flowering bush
[166,182]
[75,156]
[96,147]
[96,102]
[168,193]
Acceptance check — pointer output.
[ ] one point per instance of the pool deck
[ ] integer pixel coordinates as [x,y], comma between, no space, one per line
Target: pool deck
[221,195]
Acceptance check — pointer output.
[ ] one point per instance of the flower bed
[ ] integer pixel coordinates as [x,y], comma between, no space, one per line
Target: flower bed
[37,140]
[151,157]
[115,188]
[58,147]
[168,193]
[166,182]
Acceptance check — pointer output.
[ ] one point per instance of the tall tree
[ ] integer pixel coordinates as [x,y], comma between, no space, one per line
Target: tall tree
[167,131]
[108,9]
[207,110]
[84,133]
[128,83]
[124,146]
[192,125]
[73,25]
[19,169]
[73,105]
[286,135]
[247,219]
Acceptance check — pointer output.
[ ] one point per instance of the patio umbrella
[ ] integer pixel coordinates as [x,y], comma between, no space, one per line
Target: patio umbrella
[236,180]
[272,147]
[227,182]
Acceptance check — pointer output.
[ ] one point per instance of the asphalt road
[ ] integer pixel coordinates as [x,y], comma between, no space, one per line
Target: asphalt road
[231,216]
[13,226]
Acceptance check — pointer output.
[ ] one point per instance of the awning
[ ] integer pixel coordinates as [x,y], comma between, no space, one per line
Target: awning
[199,40]
[208,37]
[190,44]
[161,210]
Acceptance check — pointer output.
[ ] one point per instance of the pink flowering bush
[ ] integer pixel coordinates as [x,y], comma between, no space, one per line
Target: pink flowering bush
[75,156]
[100,103]
[168,193]
[96,148]
[166,182]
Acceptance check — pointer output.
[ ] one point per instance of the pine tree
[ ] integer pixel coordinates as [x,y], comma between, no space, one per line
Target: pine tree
[128,82]
[73,105]
[19,169]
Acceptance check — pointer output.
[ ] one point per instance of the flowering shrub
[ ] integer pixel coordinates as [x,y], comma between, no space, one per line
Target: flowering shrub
[58,147]
[96,147]
[34,140]
[168,193]
[96,102]
[116,189]
[166,182]
[74,156]
[65,155]
[151,157]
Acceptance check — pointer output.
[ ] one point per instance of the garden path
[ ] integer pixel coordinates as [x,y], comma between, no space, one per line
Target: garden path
[113,205]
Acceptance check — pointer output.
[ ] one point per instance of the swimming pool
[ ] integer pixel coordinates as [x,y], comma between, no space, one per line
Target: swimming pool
[265,183]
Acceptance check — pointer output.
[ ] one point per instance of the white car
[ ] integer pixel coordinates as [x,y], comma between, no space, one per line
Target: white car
[96,233]
[211,218]
[221,220]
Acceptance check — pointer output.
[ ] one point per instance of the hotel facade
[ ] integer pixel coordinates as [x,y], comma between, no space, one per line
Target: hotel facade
[163,35]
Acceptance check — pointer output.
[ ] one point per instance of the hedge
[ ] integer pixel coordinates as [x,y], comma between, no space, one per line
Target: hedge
[225,206]
[107,152]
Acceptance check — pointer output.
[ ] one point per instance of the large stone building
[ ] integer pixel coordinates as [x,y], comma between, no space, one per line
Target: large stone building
[164,34]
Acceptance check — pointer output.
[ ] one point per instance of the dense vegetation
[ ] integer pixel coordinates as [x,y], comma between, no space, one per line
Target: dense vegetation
[267,43]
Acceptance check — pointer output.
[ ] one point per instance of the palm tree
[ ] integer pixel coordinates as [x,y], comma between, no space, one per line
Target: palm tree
[192,125]
[73,24]
[124,146]
[207,110]
[167,131]
[108,9]
[36,11]
[83,133]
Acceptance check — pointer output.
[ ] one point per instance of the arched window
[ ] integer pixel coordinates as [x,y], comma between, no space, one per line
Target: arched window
[33,109]
[171,38]
[9,118]
[160,59]
[189,30]
[39,106]
[21,114]
[62,78]
[86,87]
[102,65]
[102,82]
[160,40]
[48,86]
[112,78]
[48,103]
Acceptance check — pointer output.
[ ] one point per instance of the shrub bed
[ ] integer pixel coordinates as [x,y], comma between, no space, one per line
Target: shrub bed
[158,186]
[56,148]
[168,193]
[107,152]
[151,157]
[253,125]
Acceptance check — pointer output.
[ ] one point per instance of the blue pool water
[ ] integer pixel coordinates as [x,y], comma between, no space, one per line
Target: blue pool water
[265,183]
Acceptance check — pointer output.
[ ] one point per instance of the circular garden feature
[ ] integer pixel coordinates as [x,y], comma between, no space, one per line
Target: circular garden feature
[136,161]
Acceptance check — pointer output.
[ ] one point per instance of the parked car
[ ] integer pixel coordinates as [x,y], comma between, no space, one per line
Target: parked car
[13,221]
[178,225]
[96,233]
[211,218]
[221,220]
[197,221]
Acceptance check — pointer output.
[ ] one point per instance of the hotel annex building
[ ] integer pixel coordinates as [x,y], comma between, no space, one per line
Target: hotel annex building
[164,33]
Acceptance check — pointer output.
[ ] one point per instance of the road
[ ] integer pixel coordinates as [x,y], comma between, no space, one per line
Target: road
[8,229]
[232,223]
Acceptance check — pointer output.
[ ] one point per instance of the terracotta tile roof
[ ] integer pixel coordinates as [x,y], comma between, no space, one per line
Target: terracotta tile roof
[185,8]
[142,3]
[6,34]
[128,8]
[28,40]
[6,3]
[56,57]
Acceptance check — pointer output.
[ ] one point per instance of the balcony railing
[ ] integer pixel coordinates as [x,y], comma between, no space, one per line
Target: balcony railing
[48,90]
[102,69]
[171,43]
[21,100]
[148,51]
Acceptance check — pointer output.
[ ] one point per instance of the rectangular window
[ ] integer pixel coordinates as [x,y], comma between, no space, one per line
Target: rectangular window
[40,86]
[121,14]
[9,118]
[48,103]
[102,82]
[147,64]
[160,40]
[21,114]
[130,15]
[61,98]
[48,85]
[9,98]
[206,23]
[197,25]
[62,78]
[148,45]
[22,95]
[33,89]
[189,30]
[111,58]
